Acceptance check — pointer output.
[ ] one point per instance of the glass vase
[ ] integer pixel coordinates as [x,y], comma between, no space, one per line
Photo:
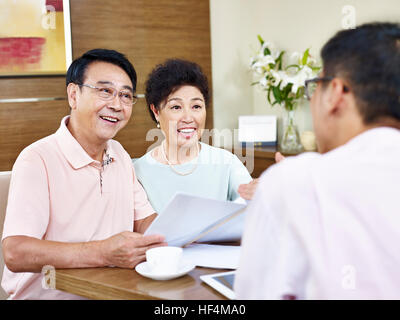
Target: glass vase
[290,141]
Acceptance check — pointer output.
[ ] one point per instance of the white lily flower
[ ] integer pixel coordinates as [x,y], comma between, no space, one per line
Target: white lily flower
[300,78]
[266,69]
[263,82]
[274,51]
[311,61]
[264,62]
[285,79]
[294,58]
[276,78]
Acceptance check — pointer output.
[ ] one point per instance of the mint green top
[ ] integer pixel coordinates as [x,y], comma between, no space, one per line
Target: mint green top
[217,176]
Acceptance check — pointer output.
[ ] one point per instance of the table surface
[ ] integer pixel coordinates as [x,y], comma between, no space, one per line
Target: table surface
[123,284]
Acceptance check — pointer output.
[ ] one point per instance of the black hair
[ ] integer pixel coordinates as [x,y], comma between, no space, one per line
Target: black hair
[368,57]
[168,77]
[77,69]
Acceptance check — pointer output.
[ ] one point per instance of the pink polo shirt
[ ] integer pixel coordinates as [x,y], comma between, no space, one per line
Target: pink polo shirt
[58,192]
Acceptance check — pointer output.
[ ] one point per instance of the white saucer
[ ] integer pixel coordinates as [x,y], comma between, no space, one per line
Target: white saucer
[144,270]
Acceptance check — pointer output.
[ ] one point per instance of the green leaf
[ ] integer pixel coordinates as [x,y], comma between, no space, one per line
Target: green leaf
[268,95]
[254,83]
[315,69]
[305,56]
[292,66]
[279,60]
[267,52]
[260,39]
[277,94]
[285,92]
[300,93]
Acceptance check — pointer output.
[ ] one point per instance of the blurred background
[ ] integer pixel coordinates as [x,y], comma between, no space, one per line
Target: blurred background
[220,35]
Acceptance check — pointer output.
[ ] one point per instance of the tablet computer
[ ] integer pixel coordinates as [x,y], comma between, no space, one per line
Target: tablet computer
[222,282]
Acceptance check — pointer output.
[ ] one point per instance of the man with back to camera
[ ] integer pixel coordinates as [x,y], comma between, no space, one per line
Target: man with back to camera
[326,226]
[74,198]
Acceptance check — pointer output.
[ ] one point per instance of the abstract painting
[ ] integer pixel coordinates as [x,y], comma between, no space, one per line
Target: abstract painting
[35,37]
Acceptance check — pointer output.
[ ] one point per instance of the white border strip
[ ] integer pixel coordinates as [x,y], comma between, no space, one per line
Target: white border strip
[14,100]
[67,34]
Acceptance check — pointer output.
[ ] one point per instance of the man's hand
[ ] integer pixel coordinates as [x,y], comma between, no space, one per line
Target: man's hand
[140,226]
[246,191]
[127,249]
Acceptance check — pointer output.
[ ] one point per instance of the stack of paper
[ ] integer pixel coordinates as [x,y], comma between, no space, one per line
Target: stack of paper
[187,216]
[213,256]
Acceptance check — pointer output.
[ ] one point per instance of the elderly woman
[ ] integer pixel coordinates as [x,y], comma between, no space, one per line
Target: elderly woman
[177,95]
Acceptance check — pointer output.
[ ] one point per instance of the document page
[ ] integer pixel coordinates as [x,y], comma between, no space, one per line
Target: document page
[187,216]
[213,256]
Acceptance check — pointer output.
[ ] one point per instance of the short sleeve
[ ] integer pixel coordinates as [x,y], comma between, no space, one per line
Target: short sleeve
[238,175]
[28,205]
[142,206]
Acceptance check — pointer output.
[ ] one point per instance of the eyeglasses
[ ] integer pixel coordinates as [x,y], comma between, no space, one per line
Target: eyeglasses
[126,97]
[311,86]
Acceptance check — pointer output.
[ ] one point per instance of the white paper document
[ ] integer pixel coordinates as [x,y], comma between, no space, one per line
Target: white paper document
[187,216]
[213,256]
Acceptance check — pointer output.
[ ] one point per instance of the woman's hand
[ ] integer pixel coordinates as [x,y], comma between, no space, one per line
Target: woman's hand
[246,191]
[279,157]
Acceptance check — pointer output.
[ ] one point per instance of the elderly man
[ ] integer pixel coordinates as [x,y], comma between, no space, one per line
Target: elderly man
[327,226]
[74,198]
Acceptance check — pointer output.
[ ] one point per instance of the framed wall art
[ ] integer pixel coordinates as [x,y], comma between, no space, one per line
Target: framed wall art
[35,37]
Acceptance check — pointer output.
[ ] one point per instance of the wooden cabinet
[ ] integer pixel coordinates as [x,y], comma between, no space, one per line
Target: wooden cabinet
[257,160]
[263,158]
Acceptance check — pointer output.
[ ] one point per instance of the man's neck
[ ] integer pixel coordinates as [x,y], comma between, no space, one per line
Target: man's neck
[94,149]
[386,122]
[349,132]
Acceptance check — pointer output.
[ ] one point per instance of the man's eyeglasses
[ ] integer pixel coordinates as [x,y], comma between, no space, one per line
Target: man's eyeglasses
[311,86]
[126,97]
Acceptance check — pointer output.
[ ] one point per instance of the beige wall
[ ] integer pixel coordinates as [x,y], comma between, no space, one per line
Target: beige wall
[291,25]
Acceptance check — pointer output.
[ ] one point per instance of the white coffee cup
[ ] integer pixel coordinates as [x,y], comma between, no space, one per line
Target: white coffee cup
[164,260]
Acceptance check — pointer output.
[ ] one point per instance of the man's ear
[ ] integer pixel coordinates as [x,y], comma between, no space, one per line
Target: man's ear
[71,93]
[337,97]
[155,111]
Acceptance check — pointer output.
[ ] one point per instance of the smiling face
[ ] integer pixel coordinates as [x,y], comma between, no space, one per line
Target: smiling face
[182,116]
[96,120]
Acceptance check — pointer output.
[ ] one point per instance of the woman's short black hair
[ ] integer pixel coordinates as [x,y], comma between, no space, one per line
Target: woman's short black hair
[368,57]
[168,77]
[77,69]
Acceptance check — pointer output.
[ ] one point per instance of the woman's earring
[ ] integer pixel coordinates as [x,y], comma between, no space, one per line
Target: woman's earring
[158,125]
